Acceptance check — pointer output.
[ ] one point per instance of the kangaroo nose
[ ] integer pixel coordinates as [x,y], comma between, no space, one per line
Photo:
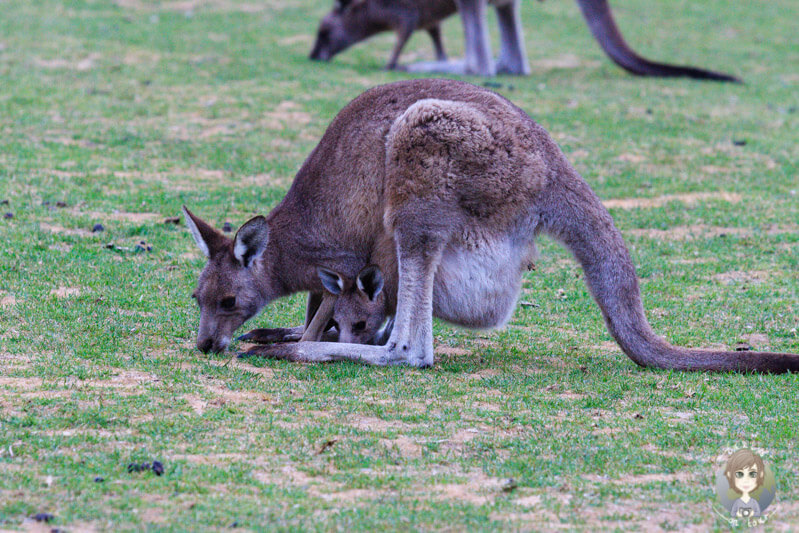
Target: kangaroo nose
[205,345]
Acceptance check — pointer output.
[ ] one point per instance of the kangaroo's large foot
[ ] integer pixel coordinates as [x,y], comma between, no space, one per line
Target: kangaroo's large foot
[272,335]
[327,352]
[452,67]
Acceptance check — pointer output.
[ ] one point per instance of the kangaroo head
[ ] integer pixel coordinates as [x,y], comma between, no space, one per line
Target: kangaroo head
[228,291]
[360,308]
[344,26]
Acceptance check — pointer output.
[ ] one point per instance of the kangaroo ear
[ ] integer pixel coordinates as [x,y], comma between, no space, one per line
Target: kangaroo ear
[370,281]
[251,240]
[209,240]
[332,281]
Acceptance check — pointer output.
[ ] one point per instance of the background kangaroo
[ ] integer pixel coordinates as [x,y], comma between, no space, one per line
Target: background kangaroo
[352,21]
[451,186]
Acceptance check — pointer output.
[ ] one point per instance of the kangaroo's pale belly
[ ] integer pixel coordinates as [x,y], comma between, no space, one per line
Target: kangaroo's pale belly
[477,286]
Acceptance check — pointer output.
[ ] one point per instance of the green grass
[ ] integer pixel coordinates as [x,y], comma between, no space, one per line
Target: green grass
[125,112]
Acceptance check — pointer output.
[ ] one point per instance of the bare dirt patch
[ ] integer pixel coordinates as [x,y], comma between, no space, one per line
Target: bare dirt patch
[195,5]
[682,233]
[286,113]
[65,292]
[454,351]
[631,158]
[316,487]
[563,61]
[371,423]
[213,459]
[689,199]
[480,489]
[753,277]
[25,384]
[121,216]
[642,479]
[407,447]
[56,228]
[181,180]
[81,65]
[7,300]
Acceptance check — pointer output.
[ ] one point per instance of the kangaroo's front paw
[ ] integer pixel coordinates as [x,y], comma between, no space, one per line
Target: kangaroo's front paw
[272,335]
[272,351]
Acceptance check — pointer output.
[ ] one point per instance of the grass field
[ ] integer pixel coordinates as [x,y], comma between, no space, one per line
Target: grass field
[117,113]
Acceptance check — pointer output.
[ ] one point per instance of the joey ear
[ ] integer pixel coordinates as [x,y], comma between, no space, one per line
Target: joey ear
[370,281]
[332,281]
[208,239]
[251,240]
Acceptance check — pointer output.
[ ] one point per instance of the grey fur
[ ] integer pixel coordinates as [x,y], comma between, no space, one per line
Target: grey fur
[447,201]
[352,21]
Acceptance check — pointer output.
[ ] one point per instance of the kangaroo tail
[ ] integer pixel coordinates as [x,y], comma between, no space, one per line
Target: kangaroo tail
[600,20]
[573,214]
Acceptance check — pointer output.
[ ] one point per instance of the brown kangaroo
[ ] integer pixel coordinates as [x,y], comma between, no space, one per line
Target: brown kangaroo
[444,186]
[352,21]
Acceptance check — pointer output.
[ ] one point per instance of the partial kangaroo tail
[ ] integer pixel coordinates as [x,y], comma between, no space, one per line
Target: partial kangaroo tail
[600,20]
[573,214]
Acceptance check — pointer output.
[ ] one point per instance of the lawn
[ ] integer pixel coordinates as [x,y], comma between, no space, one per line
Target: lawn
[114,114]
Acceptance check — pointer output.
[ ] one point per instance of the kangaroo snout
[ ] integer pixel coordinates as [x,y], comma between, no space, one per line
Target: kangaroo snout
[209,344]
[320,54]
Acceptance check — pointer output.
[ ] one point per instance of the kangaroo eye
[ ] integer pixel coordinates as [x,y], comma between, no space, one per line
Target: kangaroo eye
[228,303]
[359,326]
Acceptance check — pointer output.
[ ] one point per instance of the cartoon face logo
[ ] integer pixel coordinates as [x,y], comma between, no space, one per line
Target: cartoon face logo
[745,486]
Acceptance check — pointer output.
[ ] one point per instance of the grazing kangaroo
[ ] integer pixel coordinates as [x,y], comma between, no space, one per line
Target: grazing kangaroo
[352,21]
[444,186]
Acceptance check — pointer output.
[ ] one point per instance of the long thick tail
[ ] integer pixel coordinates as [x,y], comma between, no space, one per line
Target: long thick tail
[573,214]
[600,20]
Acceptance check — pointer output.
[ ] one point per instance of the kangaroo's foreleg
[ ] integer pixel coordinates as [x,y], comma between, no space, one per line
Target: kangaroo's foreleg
[403,34]
[320,320]
[272,335]
[438,44]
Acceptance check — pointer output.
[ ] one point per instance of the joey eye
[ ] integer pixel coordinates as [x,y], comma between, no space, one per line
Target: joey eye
[359,326]
[228,303]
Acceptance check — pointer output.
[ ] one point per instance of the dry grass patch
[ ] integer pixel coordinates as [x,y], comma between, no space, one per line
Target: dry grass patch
[204,5]
[742,277]
[61,230]
[563,61]
[80,65]
[689,199]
